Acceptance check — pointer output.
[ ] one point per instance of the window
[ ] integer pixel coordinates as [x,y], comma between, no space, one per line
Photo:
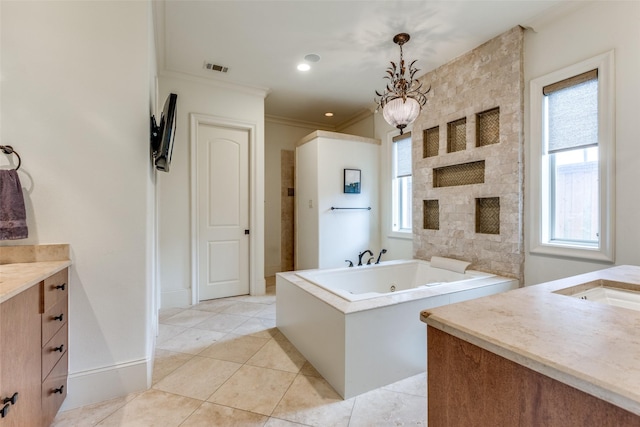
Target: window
[571,157]
[401,183]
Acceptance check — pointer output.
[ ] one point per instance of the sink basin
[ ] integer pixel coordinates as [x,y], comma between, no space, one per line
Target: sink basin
[611,293]
[612,296]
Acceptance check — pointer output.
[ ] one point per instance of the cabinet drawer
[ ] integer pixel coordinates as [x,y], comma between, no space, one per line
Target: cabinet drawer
[55,288]
[53,319]
[54,390]
[53,350]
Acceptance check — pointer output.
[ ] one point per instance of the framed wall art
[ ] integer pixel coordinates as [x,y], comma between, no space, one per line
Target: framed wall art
[352,181]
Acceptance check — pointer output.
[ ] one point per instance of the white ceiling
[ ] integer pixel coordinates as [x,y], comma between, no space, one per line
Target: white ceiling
[261,42]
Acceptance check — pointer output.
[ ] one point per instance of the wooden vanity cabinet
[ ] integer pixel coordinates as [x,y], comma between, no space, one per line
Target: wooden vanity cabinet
[20,322]
[470,386]
[33,353]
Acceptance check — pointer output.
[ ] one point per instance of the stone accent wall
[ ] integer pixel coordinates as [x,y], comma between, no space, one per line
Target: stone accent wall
[287,207]
[487,77]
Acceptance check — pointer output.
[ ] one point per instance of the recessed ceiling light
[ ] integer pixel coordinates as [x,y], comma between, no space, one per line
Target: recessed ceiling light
[304,67]
[328,114]
[312,57]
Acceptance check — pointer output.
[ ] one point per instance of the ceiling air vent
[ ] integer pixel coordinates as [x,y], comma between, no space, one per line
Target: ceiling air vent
[215,67]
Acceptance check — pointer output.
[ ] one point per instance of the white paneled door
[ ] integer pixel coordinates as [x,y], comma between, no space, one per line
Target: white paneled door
[223,211]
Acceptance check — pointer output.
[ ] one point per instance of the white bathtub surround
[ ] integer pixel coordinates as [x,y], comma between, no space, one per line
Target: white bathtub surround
[369,342]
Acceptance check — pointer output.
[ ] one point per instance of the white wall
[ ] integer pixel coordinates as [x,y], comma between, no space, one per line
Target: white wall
[346,233]
[153,290]
[325,237]
[75,105]
[306,222]
[278,136]
[203,97]
[587,32]
[283,135]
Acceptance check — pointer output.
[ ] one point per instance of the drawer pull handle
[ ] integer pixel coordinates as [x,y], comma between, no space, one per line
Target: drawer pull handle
[4,411]
[61,287]
[58,390]
[13,399]
[60,318]
[60,348]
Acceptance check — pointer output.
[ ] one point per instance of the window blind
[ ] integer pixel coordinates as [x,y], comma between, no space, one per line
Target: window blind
[572,112]
[403,155]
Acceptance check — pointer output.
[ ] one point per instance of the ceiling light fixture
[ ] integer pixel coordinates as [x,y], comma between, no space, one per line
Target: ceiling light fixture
[403,98]
[304,67]
[328,114]
[312,57]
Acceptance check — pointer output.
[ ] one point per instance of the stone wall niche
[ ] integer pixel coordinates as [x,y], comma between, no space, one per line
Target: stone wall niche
[488,215]
[460,174]
[457,135]
[431,213]
[488,127]
[431,139]
[472,126]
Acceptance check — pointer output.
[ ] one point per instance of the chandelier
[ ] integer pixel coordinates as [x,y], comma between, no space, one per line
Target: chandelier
[403,98]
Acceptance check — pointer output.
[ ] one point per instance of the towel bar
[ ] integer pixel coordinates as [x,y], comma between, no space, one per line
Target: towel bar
[367,208]
[7,149]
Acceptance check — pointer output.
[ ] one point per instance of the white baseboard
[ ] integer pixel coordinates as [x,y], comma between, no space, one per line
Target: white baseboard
[97,385]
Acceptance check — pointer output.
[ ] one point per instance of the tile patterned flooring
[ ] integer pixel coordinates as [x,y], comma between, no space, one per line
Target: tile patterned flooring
[224,363]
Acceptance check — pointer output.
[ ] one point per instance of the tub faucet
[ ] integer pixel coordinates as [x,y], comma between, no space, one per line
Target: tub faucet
[384,251]
[361,254]
[349,261]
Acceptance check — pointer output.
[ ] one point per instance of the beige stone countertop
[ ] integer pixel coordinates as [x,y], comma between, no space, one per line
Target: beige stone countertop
[16,277]
[588,345]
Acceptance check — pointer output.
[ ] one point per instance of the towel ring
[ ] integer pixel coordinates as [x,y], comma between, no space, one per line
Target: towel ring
[7,149]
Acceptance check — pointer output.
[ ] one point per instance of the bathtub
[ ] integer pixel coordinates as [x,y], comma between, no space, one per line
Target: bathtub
[360,327]
[372,281]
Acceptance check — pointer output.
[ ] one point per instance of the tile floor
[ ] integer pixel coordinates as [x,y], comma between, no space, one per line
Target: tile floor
[224,363]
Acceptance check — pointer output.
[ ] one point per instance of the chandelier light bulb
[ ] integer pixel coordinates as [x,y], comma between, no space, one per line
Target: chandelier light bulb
[399,113]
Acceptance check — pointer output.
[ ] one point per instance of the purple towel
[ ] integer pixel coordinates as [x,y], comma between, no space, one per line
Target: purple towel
[13,215]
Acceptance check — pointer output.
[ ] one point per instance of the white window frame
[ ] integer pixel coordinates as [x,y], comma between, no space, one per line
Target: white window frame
[604,251]
[389,184]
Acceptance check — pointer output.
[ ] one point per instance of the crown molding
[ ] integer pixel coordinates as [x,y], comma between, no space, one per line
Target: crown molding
[361,115]
[298,123]
[249,90]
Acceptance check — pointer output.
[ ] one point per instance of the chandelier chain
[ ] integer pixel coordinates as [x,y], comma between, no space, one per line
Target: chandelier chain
[402,84]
